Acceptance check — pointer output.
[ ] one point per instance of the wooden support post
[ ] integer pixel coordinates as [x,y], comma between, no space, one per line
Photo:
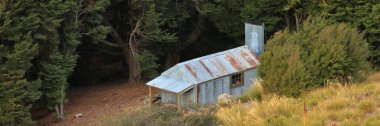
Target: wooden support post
[196,94]
[179,102]
[150,95]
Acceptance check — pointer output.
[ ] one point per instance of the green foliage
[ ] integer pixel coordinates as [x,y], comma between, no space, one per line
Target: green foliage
[47,32]
[39,40]
[18,48]
[225,16]
[148,64]
[59,55]
[153,24]
[363,14]
[269,12]
[54,76]
[287,75]
[317,52]
[56,62]
[143,26]
[54,81]
[16,93]
[277,15]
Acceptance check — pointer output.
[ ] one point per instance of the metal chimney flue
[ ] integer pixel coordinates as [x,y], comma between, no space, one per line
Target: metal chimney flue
[254,37]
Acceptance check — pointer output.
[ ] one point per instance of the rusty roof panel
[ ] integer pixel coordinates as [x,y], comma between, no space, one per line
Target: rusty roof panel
[249,60]
[242,60]
[216,65]
[216,68]
[253,56]
[200,70]
[206,68]
[222,60]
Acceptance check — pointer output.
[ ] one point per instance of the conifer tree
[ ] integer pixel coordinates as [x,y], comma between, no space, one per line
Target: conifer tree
[133,31]
[18,48]
[60,56]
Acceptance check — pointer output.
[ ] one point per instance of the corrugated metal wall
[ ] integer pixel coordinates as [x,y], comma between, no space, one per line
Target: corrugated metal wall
[210,90]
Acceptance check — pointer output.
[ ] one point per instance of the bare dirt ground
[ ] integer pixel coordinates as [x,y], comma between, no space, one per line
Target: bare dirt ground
[99,101]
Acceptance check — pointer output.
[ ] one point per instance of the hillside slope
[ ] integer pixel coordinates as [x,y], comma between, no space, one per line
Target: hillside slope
[335,105]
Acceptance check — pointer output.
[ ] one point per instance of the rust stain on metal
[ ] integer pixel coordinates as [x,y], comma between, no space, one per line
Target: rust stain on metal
[222,69]
[191,71]
[233,62]
[207,69]
[254,54]
[247,58]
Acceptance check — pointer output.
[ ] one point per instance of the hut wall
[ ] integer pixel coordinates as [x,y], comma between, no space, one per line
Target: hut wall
[249,77]
[209,91]
[187,99]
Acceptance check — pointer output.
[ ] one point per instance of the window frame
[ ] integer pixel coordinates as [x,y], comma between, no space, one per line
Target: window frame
[234,78]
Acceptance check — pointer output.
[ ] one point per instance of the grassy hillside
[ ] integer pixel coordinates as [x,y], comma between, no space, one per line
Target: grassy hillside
[336,104]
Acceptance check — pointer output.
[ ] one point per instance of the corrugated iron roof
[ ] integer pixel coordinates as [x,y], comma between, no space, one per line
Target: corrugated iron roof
[206,68]
[170,84]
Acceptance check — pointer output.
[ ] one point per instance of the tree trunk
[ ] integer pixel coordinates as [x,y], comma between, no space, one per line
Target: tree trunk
[57,110]
[297,18]
[134,71]
[59,107]
[61,114]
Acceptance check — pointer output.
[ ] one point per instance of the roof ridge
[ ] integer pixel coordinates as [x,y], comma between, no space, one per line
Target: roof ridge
[209,55]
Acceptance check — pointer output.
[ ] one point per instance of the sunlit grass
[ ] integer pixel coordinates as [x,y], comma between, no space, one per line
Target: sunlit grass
[337,104]
[253,93]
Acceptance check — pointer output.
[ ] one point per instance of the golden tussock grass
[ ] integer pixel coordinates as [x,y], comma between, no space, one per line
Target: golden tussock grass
[335,105]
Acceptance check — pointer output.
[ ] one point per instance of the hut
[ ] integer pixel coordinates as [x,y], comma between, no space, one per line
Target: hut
[200,81]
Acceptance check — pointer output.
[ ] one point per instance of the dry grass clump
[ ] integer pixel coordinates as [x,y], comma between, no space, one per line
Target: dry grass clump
[253,93]
[375,77]
[233,115]
[162,116]
[274,111]
[335,105]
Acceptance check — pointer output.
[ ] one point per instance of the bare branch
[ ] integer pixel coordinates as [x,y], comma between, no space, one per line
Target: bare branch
[197,8]
[132,37]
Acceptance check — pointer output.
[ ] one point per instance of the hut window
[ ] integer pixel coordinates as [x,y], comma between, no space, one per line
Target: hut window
[237,80]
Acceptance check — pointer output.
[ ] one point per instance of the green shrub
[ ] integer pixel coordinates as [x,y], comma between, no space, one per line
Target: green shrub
[297,61]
